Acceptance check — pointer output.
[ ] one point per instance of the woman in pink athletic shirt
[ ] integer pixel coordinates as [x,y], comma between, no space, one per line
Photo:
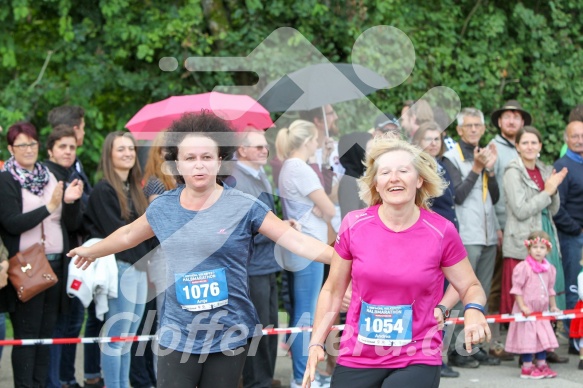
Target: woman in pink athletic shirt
[396,252]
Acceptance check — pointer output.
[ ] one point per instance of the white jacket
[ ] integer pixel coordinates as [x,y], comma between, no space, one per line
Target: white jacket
[98,282]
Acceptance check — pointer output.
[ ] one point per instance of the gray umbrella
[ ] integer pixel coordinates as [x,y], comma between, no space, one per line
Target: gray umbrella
[318,85]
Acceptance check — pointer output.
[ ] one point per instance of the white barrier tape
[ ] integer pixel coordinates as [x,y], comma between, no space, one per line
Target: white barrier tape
[546,316]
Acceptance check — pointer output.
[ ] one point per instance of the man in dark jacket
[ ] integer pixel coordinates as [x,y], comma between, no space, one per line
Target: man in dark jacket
[249,177]
[569,218]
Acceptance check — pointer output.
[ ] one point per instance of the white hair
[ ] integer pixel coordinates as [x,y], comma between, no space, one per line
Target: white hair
[473,112]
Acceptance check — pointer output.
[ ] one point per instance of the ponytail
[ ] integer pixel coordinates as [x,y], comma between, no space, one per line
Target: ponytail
[292,138]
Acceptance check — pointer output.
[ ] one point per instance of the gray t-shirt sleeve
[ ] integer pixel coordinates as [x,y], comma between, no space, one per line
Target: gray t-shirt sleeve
[151,211]
[257,215]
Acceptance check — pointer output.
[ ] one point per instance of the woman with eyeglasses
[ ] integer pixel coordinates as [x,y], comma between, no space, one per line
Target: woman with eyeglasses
[34,204]
[429,138]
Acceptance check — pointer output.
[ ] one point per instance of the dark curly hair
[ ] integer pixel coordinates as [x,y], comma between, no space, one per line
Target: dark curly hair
[203,124]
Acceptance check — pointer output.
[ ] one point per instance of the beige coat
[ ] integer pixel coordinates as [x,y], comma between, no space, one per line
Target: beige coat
[3,252]
[524,206]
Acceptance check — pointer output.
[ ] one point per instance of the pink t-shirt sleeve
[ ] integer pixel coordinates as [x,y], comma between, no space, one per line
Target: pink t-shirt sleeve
[342,244]
[453,248]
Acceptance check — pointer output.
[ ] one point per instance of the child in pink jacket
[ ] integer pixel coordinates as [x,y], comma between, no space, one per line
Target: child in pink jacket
[533,283]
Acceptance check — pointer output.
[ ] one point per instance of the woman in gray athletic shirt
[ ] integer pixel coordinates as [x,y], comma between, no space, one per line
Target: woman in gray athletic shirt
[206,232]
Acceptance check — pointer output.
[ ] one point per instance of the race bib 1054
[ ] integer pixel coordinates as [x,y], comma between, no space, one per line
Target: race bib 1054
[385,325]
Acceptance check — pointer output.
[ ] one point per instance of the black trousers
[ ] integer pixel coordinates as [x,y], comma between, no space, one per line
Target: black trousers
[260,363]
[91,351]
[217,371]
[412,376]
[142,373]
[35,319]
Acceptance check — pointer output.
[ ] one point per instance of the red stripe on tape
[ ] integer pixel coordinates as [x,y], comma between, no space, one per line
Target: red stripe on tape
[500,318]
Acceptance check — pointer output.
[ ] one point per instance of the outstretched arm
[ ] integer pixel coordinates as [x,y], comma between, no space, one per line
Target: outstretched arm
[126,237]
[301,244]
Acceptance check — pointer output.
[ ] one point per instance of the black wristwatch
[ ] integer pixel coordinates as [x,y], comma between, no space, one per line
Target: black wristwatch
[444,310]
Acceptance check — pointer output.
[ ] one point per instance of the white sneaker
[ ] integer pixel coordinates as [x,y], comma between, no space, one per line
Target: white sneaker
[314,384]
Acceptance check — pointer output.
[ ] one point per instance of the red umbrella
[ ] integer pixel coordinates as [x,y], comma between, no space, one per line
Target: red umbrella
[240,110]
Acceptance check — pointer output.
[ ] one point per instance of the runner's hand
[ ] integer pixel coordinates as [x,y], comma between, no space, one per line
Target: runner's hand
[82,260]
[315,355]
[438,315]
[476,328]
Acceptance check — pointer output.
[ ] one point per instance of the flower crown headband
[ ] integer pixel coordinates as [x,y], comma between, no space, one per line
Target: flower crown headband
[538,240]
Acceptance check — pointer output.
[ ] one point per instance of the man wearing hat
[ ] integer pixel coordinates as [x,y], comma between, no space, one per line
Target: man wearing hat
[509,119]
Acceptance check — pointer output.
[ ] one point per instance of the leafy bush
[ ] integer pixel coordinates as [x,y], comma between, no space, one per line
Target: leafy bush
[104,55]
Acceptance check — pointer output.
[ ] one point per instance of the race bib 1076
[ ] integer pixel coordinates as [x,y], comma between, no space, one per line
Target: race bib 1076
[199,291]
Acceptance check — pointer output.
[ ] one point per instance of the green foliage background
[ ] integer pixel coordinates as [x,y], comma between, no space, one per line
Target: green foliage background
[103,55]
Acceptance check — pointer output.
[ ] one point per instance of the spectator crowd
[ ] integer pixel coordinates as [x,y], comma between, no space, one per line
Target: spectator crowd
[517,221]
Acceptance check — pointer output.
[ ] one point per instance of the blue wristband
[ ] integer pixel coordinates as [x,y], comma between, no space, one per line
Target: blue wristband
[475,306]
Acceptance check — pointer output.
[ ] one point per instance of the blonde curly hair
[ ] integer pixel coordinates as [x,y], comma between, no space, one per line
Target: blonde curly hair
[433,185]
